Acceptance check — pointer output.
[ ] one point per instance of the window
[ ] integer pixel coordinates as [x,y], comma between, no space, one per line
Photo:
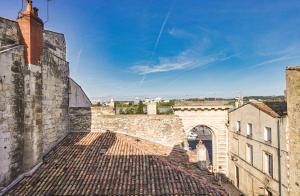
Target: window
[268,134]
[237,176]
[249,154]
[268,164]
[238,126]
[249,129]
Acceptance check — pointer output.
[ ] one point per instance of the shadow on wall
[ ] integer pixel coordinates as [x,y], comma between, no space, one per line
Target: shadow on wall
[112,164]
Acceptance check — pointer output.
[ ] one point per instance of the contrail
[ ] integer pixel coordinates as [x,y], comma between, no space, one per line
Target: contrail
[162,28]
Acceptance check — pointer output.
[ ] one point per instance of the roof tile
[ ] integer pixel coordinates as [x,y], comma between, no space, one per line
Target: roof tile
[111,164]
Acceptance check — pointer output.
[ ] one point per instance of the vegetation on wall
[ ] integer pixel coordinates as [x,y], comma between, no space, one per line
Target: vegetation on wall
[165,107]
[130,107]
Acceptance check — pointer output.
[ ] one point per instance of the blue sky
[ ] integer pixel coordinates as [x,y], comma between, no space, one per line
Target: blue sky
[175,48]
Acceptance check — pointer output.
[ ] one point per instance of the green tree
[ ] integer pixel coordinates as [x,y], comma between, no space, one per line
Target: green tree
[140,107]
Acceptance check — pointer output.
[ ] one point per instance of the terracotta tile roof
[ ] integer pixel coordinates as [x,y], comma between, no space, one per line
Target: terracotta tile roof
[111,164]
[274,109]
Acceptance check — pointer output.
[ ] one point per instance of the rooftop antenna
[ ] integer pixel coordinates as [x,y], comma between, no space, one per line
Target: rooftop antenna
[20,11]
[47,11]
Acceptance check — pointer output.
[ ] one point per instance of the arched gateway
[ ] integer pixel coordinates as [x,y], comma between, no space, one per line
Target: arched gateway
[200,138]
[208,124]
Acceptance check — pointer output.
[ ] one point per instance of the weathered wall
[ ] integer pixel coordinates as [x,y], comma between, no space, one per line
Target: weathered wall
[33,101]
[12,68]
[46,101]
[293,133]
[55,74]
[163,129]
[9,33]
[33,116]
[77,97]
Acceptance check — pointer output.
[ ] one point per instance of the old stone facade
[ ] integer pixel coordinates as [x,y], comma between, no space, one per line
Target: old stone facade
[33,96]
[257,149]
[163,129]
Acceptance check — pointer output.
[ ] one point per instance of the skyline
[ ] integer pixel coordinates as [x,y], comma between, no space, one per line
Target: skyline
[172,49]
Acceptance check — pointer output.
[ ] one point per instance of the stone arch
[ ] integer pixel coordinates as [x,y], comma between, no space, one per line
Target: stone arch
[207,131]
[214,117]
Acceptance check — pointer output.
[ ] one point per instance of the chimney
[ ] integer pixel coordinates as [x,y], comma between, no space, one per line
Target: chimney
[31,28]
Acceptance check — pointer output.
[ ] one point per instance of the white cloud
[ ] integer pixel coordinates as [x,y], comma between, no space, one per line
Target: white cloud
[175,32]
[275,60]
[184,61]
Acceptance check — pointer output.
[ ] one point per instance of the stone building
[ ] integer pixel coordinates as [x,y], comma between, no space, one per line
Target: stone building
[264,143]
[257,148]
[34,78]
[41,106]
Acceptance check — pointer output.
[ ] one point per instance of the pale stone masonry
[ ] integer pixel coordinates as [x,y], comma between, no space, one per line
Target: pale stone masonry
[293,133]
[250,146]
[215,117]
[33,100]
[11,112]
[164,129]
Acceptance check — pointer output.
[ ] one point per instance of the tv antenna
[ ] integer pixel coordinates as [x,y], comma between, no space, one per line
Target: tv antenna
[48,15]
[20,11]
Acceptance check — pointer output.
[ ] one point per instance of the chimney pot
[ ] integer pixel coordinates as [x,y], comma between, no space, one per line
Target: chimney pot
[36,11]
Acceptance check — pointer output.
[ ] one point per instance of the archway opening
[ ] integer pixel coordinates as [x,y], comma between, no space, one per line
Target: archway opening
[200,140]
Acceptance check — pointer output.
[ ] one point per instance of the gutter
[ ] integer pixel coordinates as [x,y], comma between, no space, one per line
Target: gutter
[279,156]
[20,177]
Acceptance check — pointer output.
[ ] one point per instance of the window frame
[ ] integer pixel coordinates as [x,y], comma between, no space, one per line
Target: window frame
[268,134]
[249,153]
[268,164]
[249,129]
[238,126]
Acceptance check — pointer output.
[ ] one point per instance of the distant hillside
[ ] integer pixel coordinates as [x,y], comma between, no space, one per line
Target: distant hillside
[265,98]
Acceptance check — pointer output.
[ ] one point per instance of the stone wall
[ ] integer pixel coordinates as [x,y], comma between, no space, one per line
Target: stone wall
[9,33]
[55,73]
[293,133]
[12,68]
[164,129]
[33,101]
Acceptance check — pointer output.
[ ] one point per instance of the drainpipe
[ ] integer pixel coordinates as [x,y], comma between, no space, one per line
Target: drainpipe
[279,155]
